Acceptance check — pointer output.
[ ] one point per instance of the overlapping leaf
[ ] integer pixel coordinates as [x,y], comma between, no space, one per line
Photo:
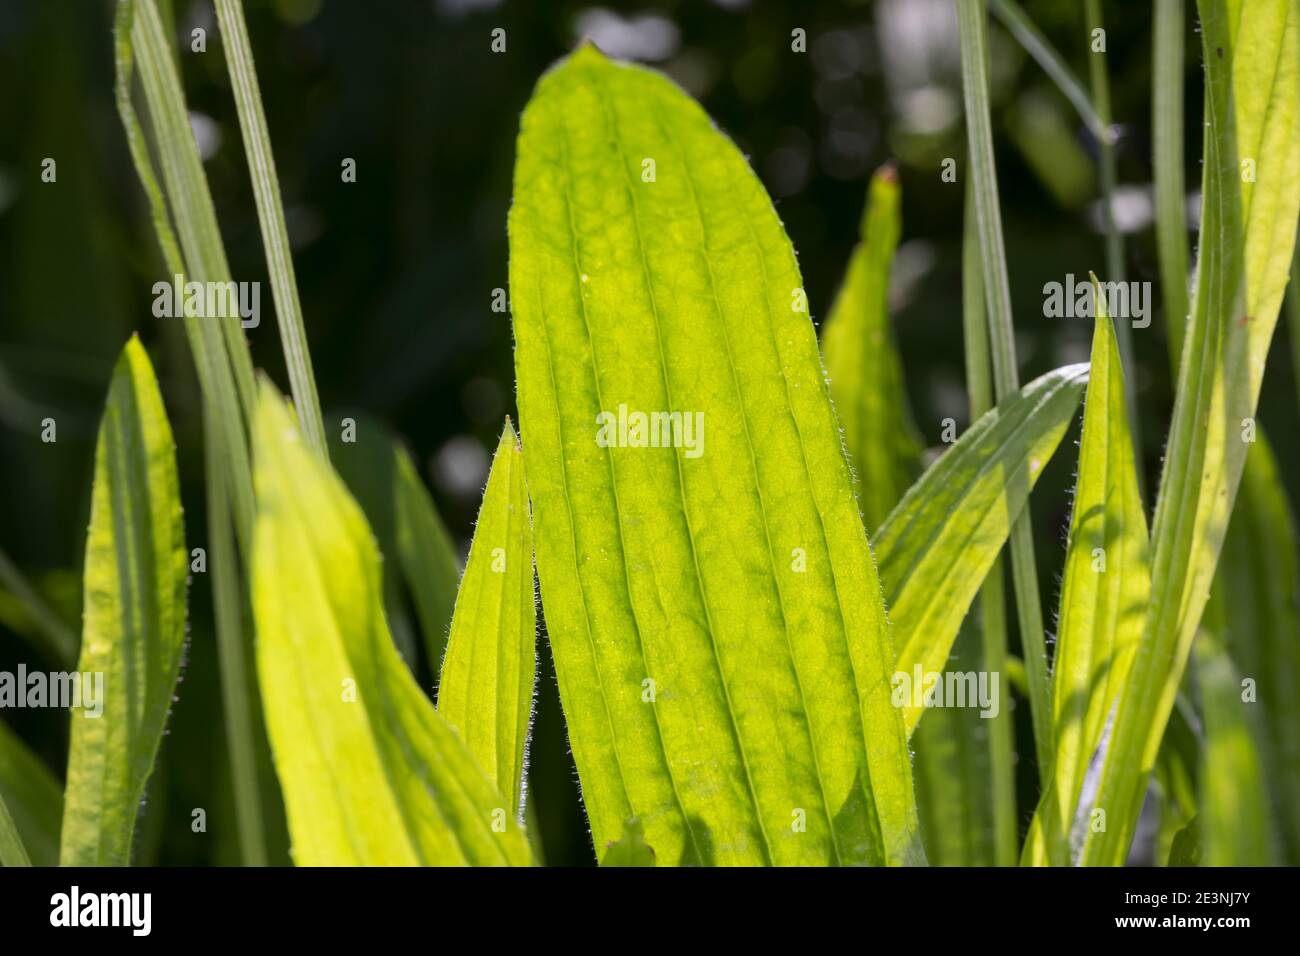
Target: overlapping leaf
[371,774]
[1103,596]
[939,543]
[1252,57]
[862,361]
[715,616]
[485,689]
[133,630]
[33,796]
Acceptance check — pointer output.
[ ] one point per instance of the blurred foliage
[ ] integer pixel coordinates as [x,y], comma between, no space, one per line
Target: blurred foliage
[397,270]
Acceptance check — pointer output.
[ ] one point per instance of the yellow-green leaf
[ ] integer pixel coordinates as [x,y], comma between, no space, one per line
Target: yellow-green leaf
[485,689]
[862,361]
[133,628]
[1252,65]
[371,774]
[33,796]
[937,546]
[716,620]
[1103,596]
[1255,630]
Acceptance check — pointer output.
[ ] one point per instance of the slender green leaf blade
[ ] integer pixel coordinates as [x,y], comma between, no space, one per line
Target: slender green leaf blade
[371,774]
[383,478]
[133,632]
[34,798]
[972,23]
[1167,93]
[939,543]
[1247,239]
[428,556]
[862,362]
[485,689]
[719,638]
[1103,595]
[270,216]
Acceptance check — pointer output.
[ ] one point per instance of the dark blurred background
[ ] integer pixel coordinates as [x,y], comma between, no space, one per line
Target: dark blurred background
[397,270]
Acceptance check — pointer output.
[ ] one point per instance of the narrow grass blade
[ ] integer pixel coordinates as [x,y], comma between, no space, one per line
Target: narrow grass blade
[34,798]
[862,362]
[270,215]
[238,708]
[1293,317]
[485,689]
[371,773]
[1167,90]
[939,543]
[138,31]
[134,619]
[1252,614]
[1028,35]
[992,600]
[1103,595]
[972,24]
[719,637]
[1247,239]
[1100,82]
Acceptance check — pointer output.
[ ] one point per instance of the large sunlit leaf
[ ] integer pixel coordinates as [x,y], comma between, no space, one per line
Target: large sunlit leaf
[1252,116]
[1253,618]
[862,362]
[371,774]
[1103,595]
[939,543]
[133,627]
[33,796]
[716,620]
[485,689]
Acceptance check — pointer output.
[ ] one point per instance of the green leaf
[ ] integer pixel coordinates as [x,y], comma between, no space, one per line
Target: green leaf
[972,23]
[1235,825]
[1186,849]
[429,557]
[1252,615]
[1247,238]
[371,774]
[12,851]
[862,361]
[33,796]
[719,638]
[133,629]
[1028,35]
[485,690]
[939,543]
[270,216]
[1103,595]
[631,850]
[381,475]
[1167,93]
